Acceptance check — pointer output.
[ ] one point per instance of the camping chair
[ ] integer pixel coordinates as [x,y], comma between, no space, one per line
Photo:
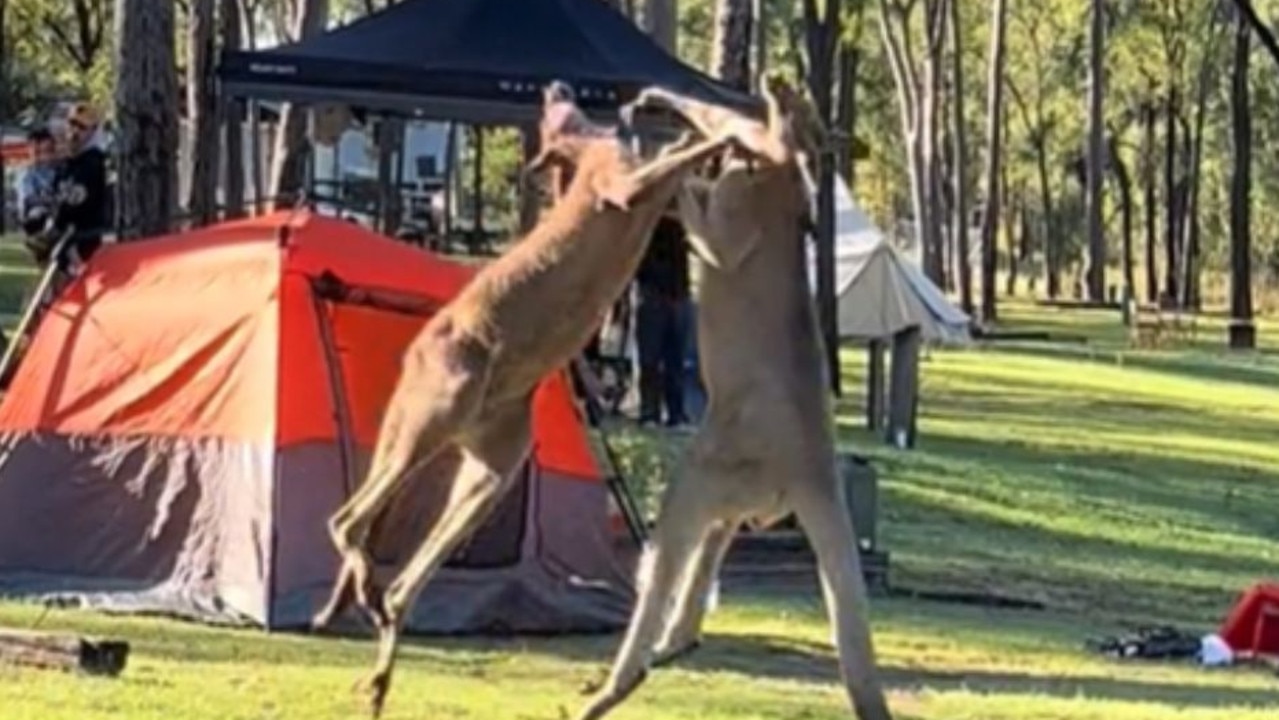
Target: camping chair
[612,372]
[36,305]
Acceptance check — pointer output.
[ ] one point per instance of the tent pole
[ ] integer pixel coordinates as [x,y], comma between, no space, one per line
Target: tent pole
[34,309]
[477,191]
[397,193]
[337,393]
[528,188]
[450,172]
[616,482]
[875,385]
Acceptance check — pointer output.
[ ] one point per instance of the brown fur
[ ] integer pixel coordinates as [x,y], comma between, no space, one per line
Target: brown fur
[467,379]
[767,445]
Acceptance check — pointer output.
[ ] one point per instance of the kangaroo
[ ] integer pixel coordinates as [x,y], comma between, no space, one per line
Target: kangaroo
[767,444]
[468,377]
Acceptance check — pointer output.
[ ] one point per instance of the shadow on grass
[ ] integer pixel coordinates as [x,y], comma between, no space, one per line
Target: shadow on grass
[991,683]
[761,656]
[1182,537]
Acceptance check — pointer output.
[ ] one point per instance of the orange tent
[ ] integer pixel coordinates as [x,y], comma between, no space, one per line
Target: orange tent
[192,409]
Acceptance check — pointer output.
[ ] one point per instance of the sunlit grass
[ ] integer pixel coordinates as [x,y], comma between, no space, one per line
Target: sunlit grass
[1113,486]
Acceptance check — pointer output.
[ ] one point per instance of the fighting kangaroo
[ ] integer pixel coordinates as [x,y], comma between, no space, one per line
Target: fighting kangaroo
[766,446]
[468,377]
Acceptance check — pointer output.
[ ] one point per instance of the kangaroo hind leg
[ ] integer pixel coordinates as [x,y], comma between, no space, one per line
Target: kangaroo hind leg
[825,521]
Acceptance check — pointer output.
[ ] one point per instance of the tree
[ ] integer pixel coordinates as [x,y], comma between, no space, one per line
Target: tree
[146,109]
[963,266]
[1242,331]
[291,144]
[74,28]
[1149,182]
[659,21]
[202,113]
[918,82]
[731,49]
[822,25]
[1124,179]
[1095,278]
[994,147]
[1043,51]
[1248,15]
[230,18]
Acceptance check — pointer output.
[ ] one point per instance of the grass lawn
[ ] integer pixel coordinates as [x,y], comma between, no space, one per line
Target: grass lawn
[1115,487]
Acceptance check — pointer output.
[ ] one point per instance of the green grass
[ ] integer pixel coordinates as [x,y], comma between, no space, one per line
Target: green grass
[1115,487]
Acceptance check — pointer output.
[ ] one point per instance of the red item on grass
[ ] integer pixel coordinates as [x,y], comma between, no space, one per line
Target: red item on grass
[1252,627]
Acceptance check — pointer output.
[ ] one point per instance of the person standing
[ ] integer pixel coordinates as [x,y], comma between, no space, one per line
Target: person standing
[81,188]
[662,323]
[36,191]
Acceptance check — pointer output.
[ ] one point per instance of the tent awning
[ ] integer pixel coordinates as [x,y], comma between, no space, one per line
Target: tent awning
[471,60]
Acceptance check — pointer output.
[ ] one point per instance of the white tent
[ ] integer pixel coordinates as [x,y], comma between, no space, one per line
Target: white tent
[880,291]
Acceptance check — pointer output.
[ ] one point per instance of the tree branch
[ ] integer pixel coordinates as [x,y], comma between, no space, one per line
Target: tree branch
[1259,28]
[900,64]
[899,50]
[69,46]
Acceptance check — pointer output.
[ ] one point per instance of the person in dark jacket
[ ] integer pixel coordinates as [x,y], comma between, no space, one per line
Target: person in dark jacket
[81,189]
[662,316]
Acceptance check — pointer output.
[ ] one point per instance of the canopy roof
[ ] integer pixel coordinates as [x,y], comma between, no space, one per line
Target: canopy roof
[471,60]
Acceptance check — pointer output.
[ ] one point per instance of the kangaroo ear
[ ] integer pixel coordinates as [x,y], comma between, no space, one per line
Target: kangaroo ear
[557,91]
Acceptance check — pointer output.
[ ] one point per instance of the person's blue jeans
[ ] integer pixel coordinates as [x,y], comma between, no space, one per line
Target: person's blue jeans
[661,337]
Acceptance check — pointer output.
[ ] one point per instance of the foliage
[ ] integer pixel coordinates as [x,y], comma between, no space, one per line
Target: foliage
[1152,47]
[503,158]
[58,51]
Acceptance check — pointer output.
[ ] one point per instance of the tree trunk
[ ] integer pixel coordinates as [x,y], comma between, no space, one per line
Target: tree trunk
[932,116]
[943,189]
[1009,221]
[914,95]
[1149,171]
[202,115]
[822,35]
[731,46]
[4,104]
[1095,278]
[846,112]
[1052,244]
[1124,180]
[1024,250]
[1191,297]
[146,109]
[1249,16]
[1170,196]
[994,148]
[253,118]
[661,22]
[1242,330]
[288,174]
[759,41]
[389,139]
[232,120]
[477,187]
[963,268]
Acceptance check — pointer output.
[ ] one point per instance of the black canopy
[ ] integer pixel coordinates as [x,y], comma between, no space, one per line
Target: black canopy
[470,60]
